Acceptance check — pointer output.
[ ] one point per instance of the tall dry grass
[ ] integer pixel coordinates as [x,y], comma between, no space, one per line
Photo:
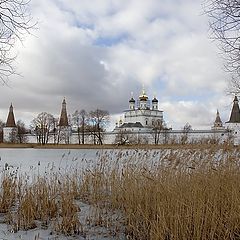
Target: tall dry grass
[190,195]
[50,200]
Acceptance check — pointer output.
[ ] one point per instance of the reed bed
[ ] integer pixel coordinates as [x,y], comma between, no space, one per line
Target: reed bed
[185,195]
[44,202]
[167,194]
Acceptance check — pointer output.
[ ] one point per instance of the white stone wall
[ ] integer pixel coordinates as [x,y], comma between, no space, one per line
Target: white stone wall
[173,136]
[234,131]
[9,134]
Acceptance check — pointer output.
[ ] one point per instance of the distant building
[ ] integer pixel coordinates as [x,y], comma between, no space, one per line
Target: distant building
[142,115]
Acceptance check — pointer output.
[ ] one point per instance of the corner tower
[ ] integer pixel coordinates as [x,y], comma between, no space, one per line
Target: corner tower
[64,129]
[63,122]
[10,130]
[218,125]
[235,113]
[234,122]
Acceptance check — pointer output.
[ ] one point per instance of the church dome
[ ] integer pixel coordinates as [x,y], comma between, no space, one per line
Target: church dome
[154,100]
[132,100]
[143,96]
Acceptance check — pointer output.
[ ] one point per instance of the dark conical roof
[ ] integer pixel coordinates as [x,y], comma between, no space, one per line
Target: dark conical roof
[63,122]
[154,100]
[235,114]
[10,119]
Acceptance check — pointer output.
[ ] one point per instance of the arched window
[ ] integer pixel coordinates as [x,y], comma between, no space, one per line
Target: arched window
[146,121]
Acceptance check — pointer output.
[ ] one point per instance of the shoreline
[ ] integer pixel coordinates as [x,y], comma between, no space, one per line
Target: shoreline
[113,146]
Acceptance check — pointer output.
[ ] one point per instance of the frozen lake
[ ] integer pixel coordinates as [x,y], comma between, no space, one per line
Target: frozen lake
[40,159]
[32,160]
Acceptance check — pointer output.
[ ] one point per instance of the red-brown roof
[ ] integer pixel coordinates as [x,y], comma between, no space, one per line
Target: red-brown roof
[235,114]
[63,122]
[10,119]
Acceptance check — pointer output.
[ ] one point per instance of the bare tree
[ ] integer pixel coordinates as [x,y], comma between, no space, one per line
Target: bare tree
[98,121]
[21,132]
[80,120]
[123,137]
[159,129]
[43,125]
[2,125]
[15,21]
[186,129]
[224,19]
[55,132]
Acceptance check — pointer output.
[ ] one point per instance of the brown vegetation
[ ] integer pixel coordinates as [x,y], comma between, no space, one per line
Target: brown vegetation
[182,194]
[192,196]
[49,200]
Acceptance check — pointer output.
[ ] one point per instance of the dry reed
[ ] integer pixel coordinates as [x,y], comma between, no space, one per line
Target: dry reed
[48,200]
[149,194]
[190,195]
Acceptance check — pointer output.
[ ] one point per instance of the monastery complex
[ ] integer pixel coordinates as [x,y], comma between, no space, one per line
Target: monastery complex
[143,122]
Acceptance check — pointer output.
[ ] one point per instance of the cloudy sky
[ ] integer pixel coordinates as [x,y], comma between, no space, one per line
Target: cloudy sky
[95,53]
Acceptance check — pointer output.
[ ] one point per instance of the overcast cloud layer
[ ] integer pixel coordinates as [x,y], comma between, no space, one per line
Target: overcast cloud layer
[95,53]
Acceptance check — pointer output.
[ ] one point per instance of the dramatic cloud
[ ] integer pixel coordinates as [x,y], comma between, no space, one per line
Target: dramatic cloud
[95,53]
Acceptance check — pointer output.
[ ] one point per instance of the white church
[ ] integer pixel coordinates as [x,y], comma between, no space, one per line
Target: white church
[145,119]
[141,115]
[142,123]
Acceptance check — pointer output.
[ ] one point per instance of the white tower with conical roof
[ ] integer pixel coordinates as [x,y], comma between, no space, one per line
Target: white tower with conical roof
[218,125]
[64,129]
[10,130]
[234,122]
